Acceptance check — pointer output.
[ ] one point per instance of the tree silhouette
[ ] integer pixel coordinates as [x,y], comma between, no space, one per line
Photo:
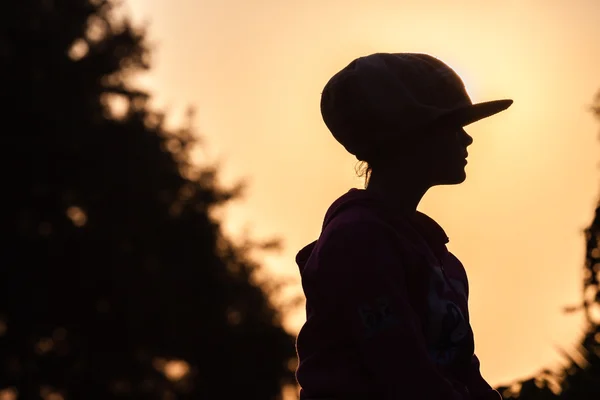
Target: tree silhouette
[580,380]
[116,280]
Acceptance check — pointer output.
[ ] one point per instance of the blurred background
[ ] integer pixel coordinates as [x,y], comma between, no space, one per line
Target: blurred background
[166,160]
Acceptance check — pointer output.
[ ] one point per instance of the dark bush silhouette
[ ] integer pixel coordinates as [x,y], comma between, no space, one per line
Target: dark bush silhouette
[581,379]
[115,279]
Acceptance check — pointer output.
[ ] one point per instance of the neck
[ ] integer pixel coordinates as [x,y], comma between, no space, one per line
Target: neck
[401,193]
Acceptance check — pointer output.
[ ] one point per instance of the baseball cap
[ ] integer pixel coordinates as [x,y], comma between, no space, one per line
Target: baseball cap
[380,99]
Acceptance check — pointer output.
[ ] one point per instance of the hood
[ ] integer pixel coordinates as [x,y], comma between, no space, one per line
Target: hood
[430,229]
[351,198]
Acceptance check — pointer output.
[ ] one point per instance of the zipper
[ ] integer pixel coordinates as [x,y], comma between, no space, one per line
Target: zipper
[447,279]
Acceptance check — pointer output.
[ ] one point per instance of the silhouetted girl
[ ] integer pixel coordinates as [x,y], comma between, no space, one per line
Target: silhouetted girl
[387,314]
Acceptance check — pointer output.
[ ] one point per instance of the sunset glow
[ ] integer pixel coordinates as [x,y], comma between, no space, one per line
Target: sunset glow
[255,70]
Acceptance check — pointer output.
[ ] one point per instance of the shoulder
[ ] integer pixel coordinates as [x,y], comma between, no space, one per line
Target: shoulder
[356,226]
[356,242]
[354,251]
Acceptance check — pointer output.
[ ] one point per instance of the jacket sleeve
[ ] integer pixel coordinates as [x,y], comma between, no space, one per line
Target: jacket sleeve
[476,384]
[478,387]
[356,288]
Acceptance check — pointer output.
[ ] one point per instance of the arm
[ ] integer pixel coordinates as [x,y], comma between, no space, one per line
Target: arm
[355,286]
[478,387]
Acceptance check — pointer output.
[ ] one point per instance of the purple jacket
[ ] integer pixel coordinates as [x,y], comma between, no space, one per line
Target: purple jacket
[387,313]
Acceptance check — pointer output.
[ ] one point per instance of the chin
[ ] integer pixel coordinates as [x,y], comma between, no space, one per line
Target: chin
[461,178]
[455,179]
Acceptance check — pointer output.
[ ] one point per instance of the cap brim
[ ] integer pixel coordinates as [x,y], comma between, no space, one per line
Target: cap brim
[475,112]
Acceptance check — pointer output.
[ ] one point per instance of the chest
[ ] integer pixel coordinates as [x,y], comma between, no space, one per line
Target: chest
[437,287]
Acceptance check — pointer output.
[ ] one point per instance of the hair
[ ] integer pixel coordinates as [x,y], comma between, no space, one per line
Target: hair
[364,169]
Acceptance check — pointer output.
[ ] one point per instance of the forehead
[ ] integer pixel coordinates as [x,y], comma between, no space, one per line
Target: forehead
[443,127]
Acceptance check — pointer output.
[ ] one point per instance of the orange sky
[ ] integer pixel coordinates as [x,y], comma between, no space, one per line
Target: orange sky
[255,70]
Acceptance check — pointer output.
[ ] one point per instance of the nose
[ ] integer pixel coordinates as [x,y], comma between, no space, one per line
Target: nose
[465,138]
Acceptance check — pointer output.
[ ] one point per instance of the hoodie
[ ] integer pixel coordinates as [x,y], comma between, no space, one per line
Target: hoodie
[386,309]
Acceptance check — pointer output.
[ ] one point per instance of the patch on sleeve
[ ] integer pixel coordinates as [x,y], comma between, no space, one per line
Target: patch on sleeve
[378,316]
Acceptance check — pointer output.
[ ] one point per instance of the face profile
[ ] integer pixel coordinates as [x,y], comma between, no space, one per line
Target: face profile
[437,156]
[444,156]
